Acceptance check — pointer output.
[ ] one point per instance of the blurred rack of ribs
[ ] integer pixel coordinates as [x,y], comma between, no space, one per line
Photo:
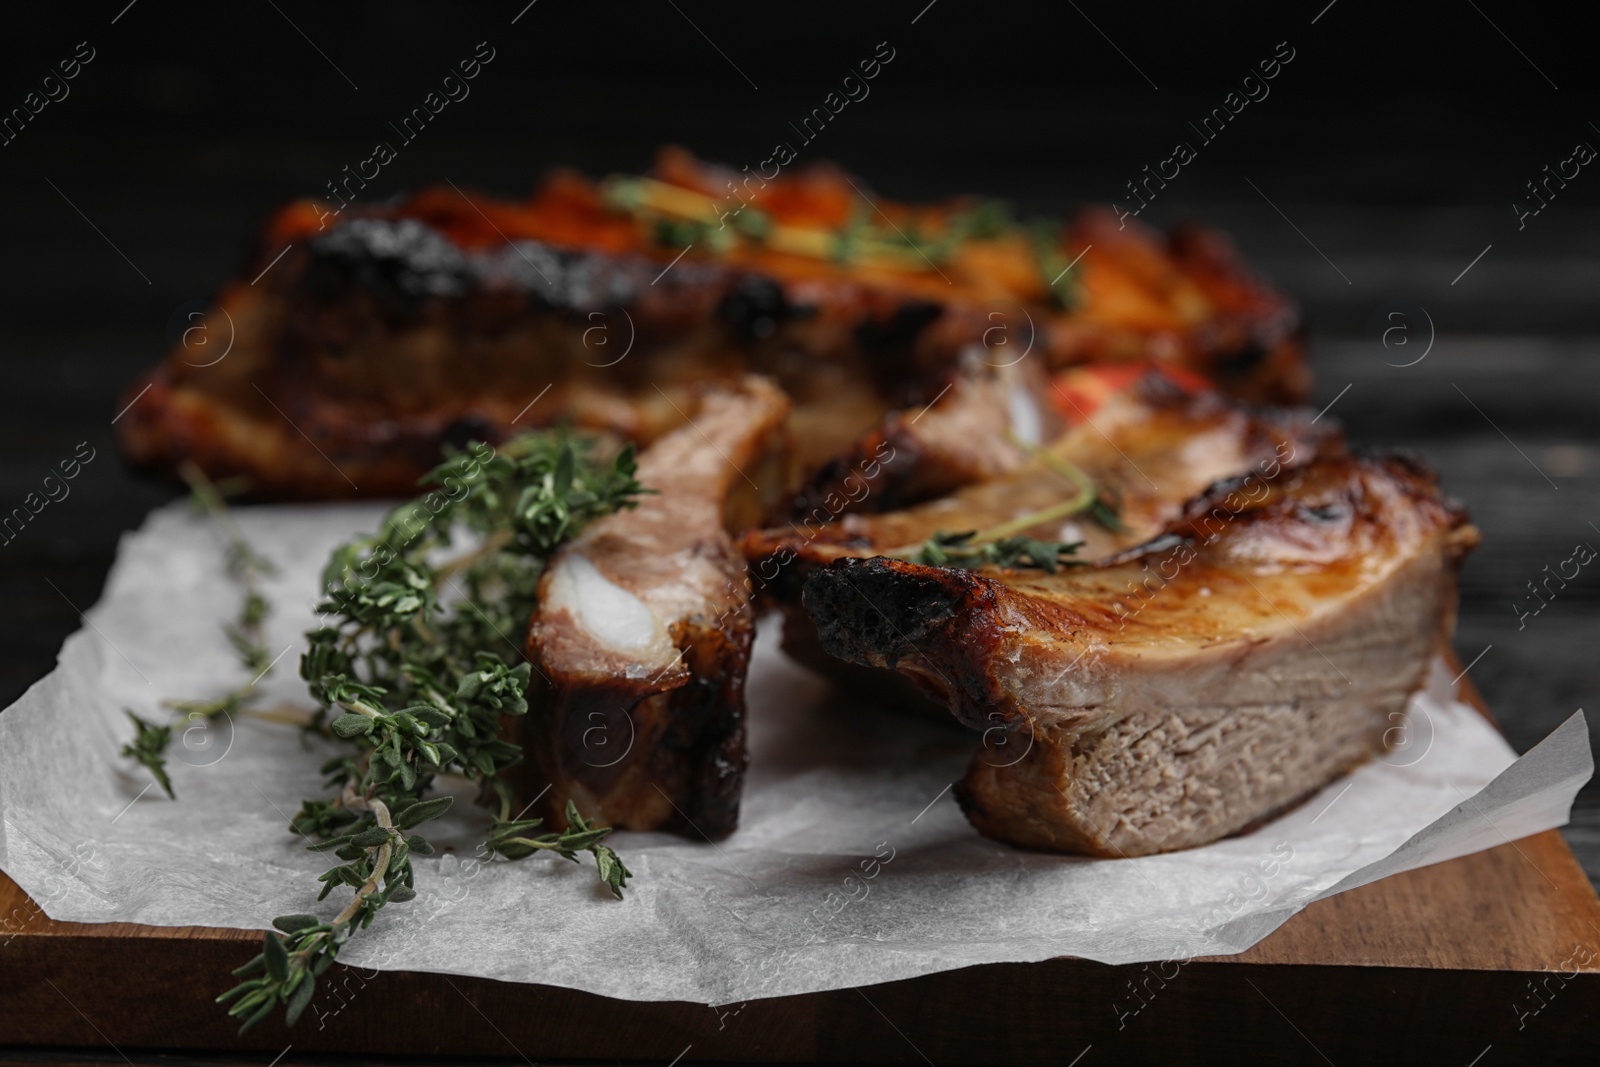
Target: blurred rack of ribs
[358,346]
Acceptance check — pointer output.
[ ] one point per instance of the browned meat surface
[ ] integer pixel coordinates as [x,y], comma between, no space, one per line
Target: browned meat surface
[1191,686]
[359,340]
[381,340]
[642,637]
[1149,447]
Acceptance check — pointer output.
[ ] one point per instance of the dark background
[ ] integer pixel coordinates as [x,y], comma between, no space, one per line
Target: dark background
[1396,141]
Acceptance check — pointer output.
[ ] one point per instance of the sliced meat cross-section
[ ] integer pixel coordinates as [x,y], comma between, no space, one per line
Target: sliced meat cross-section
[1189,687]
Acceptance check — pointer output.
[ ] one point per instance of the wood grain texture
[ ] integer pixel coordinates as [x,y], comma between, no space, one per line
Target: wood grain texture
[1509,938]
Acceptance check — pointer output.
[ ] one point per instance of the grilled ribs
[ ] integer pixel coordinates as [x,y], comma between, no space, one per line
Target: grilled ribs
[642,637]
[1150,446]
[357,342]
[1180,691]
[360,341]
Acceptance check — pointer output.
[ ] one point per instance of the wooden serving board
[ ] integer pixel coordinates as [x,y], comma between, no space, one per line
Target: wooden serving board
[1488,959]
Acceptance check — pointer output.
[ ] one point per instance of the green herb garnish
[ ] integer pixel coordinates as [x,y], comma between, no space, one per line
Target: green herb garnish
[417,666]
[963,550]
[149,747]
[510,839]
[245,633]
[1057,274]
[1005,545]
[981,220]
[380,871]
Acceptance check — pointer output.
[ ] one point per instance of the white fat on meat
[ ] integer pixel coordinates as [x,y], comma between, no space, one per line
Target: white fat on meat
[610,614]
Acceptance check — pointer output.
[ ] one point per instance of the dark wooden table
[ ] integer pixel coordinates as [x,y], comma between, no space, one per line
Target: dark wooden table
[1381,207]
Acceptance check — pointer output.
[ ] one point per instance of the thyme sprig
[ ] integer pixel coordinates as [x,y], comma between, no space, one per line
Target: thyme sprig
[149,747]
[675,217]
[967,549]
[1102,506]
[380,871]
[1005,544]
[418,670]
[246,633]
[417,667]
[509,838]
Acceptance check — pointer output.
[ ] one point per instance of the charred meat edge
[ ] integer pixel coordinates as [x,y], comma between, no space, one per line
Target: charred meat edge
[781,558]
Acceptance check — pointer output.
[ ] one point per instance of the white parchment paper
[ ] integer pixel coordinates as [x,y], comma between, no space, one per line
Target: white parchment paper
[852,865]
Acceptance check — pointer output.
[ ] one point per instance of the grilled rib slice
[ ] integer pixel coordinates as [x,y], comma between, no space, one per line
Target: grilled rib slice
[978,424]
[642,636]
[1151,447]
[1196,684]
[358,340]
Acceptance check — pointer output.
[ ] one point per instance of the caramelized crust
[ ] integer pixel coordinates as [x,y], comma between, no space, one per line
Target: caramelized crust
[1187,687]
[1151,447]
